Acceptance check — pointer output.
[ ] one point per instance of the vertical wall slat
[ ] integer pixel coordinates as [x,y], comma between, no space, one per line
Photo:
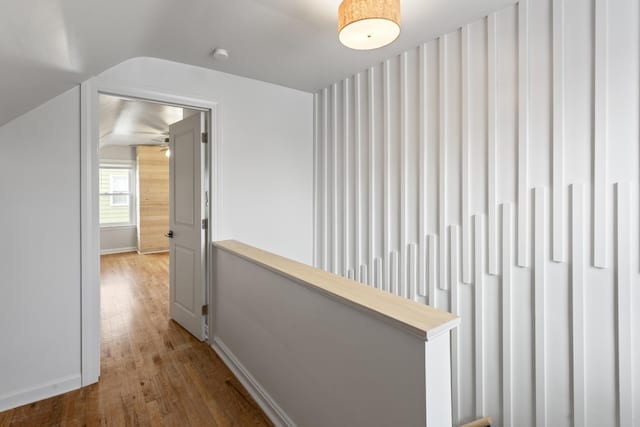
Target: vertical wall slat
[558,240]
[386,101]
[316,180]
[523,133]
[364,276]
[431,270]
[540,313]
[623,303]
[442,169]
[336,183]
[578,251]
[507,328]
[412,282]
[404,188]
[466,161]
[600,76]
[492,150]
[479,248]
[325,187]
[346,179]
[394,286]
[357,98]
[372,174]
[424,159]
[387,275]
[377,266]
[454,276]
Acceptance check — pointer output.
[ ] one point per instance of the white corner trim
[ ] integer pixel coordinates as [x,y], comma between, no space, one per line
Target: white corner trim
[40,392]
[276,414]
[89,235]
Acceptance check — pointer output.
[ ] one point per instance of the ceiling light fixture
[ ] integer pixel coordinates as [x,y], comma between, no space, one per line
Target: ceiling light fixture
[368,24]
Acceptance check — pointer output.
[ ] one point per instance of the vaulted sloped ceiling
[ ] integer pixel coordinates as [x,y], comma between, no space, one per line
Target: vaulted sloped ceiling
[48,46]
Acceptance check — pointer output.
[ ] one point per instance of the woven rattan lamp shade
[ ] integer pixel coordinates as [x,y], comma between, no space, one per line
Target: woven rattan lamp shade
[368,24]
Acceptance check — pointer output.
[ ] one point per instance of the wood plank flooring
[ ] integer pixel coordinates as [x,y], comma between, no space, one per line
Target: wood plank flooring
[153,372]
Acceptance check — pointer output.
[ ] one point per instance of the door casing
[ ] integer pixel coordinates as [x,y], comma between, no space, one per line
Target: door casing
[89,201]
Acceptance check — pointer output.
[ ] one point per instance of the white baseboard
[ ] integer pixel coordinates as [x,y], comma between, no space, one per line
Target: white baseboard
[117,250]
[154,252]
[268,405]
[40,392]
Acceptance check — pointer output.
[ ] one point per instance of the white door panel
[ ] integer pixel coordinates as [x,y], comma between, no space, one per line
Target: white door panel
[186,212]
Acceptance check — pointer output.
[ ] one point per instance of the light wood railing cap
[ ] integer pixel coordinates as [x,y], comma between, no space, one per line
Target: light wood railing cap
[418,319]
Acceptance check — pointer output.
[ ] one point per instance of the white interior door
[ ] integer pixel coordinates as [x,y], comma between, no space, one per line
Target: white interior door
[187,248]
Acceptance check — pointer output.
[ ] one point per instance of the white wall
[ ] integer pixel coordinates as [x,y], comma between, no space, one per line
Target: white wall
[267,201]
[494,172]
[267,151]
[117,152]
[117,239]
[40,252]
[114,239]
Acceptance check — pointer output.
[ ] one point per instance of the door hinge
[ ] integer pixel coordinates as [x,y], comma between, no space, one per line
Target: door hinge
[205,223]
[205,137]
[205,309]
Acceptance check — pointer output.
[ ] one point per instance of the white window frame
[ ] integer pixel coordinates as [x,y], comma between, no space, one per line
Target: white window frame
[131,166]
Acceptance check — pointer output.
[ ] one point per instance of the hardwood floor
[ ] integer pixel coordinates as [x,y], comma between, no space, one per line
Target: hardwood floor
[153,371]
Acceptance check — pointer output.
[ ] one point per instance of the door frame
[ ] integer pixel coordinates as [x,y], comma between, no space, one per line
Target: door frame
[90,91]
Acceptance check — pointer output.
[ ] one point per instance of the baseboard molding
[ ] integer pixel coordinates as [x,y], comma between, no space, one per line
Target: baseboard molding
[40,392]
[117,250]
[268,405]
[162,251]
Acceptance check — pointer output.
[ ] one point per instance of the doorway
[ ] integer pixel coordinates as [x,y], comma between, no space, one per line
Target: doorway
[130,123]
[153,191]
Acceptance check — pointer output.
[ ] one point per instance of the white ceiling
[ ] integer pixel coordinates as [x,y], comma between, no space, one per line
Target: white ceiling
[127,122]
[47,46]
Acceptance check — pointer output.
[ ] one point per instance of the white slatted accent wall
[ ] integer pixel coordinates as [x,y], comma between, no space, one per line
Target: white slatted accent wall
[494,173]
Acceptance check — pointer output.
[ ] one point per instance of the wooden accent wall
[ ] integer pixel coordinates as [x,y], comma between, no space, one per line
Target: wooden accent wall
[153,199]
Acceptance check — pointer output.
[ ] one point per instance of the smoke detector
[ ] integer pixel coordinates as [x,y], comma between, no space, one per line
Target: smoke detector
[220,54]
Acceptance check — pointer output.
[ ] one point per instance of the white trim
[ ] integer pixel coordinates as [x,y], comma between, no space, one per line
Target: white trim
[90,227]
[274,412]
[117,163]
[164,251]
[118,250]
[39,392]
[118,227]
[89,235]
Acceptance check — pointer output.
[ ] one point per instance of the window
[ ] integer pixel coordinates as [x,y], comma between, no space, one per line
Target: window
[119,189]
[116,195]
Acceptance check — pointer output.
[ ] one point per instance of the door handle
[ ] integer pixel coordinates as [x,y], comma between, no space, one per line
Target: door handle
[169,234]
